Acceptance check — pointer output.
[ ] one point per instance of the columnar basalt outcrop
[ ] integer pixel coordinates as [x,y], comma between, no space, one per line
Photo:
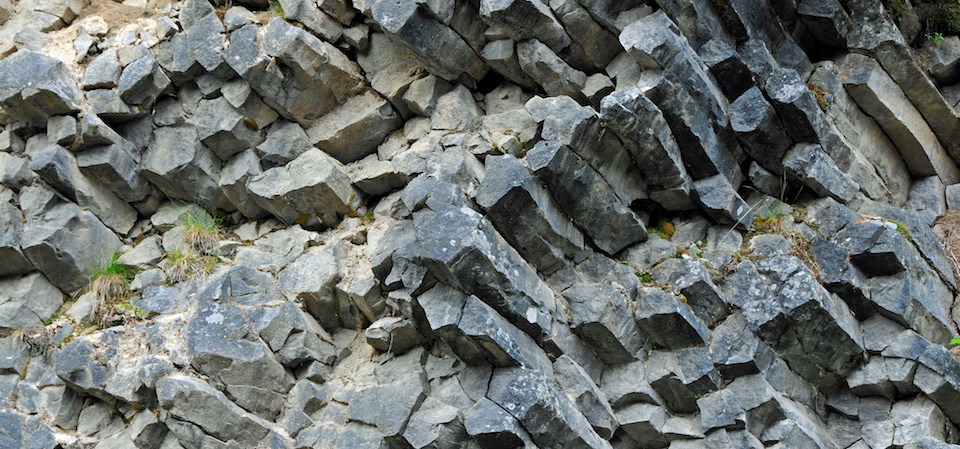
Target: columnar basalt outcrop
[479,224]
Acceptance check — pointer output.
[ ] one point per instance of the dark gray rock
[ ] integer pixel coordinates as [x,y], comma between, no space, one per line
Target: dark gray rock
[681,377]
[285,142]
[103,72]
[526,214]
[827,21]
[810,164]
[316,201]
[197,48]
[601,317]
[462,249]
[501,343]
[822,356]
[534,400]
[727,67]
[439,47]
[668,321]
[643,129]
[36,86]
[759,128]
[59,168]
[354,129]
[67,244]
[223,129]
[586,197]
[693,281]
[181,167]
[526,19]
[142,81]
[292,85]
[581,389]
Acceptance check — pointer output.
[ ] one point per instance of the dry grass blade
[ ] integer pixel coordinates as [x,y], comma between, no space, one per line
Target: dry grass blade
[947,228]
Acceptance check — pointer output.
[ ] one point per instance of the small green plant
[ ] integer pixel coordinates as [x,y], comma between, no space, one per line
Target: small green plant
[901,228]
[955,341]
[277,8]
[645,278]
[935,37]
[201,231]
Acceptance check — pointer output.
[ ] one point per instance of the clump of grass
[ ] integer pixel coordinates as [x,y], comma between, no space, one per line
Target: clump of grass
[181,265]
[955,341]
[277,8]
[201,231]
[111,282]
[645,278]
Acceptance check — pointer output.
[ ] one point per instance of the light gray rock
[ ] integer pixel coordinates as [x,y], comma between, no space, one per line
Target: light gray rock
[117,167]
[311,278]
[878,95]
[12,259]
[315,20]
[201,414]
[233,183]
[27,301]
[668,321]
[549,71]
[393,334]
[456,111]
[581,389]
[285,142]
[422,95]
[67,262]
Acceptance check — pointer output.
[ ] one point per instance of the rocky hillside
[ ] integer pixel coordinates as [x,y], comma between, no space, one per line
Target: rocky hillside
[479,224]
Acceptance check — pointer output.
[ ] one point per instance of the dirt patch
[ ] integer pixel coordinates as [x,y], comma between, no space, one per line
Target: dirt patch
[117,15]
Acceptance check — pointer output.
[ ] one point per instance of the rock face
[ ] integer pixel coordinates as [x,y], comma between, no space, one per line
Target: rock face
[453,224]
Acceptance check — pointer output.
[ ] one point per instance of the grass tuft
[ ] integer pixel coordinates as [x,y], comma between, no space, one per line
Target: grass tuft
[181,265]
[201,231]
